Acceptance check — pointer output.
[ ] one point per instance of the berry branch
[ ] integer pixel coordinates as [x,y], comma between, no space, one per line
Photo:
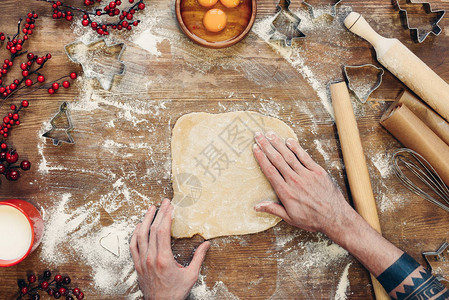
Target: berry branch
[124,17]
[30,68]
[56,288]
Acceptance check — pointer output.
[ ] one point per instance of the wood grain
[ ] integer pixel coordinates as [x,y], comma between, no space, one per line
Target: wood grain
[186,78]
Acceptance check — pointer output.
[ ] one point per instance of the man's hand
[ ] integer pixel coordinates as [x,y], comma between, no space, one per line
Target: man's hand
[160,276]
[309,198]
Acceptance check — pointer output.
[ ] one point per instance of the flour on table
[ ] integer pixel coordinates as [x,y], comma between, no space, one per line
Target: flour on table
[343,285]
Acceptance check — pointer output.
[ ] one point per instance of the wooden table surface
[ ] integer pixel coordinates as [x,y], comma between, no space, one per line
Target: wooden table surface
[121,160]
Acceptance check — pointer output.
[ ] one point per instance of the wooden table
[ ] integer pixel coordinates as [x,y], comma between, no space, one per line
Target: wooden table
[121,160]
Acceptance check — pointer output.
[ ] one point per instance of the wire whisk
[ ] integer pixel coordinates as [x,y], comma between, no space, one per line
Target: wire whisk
[405,158]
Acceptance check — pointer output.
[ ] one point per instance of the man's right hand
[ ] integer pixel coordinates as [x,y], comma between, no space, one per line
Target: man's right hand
[310,200]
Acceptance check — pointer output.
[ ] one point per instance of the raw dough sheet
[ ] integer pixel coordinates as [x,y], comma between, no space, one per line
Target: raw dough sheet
[216,180]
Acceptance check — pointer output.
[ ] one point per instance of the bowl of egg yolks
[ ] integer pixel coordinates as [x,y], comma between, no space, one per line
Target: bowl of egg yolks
[216,23]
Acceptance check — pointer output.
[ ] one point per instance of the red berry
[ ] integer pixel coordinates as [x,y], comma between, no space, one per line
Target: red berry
[40,78]
[5,120]
[15,117]
[19,47]
[3,146]
[62,291]
[25,73]
[58,278]
[12,86]
[100,31]
[51,91]
[17,122]
[55,86]
[69,18]
[44,284]
[85,22]
[48,55]
[76,291]
[25,165]
[12,175]
[66,280]
[66,84]
[12,157]
[39,61]
[2,169]
[32,278]
[28,82]
[50,292]
[10,115]
[80,296]
[73,75]
[23,66]
[25,103]
[125,24]
[94,25]
[141,6]
[24,290]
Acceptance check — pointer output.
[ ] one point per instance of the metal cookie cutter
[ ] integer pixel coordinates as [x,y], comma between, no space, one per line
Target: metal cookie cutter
[285,25]
[99,60]
[420,34]
[438,262]
[360,86]
[61,126]
[312,10]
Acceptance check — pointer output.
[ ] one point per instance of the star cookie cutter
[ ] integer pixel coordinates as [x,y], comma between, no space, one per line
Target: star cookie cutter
[98,59]
[420,34]
[438,262]
[61,125]
[285,25]
[361,87]
[315,13]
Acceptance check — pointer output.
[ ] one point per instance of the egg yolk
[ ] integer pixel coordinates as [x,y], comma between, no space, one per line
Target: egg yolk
[207,3]
[230,3]
[215,20]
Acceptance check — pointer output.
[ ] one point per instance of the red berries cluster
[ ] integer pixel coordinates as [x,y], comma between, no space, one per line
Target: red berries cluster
[59,13]
[27,30]
[56,288]
[65,84]
[8,157]
[12,118]
[125,16]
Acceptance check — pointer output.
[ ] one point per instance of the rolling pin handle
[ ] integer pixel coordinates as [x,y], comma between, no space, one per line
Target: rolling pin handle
[357,24]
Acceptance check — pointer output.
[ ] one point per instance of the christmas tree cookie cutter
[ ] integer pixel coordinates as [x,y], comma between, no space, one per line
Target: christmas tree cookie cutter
[358,80]
[316,13]
[61,125]
[284,27]
[420,34]
[99,60]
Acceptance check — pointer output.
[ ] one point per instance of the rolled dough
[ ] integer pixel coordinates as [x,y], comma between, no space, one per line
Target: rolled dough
[216,180]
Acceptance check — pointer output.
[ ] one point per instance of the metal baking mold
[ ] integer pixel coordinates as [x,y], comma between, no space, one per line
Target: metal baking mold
[285,25]
[439,259]
[361,92]
[61,125]
[312,10]
[99,60]
[419,34]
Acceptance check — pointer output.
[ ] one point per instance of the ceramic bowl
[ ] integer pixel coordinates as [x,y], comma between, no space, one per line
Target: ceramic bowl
[216,45]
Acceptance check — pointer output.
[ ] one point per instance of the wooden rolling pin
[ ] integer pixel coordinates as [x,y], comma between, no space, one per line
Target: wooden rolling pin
[355,164]
[405,65]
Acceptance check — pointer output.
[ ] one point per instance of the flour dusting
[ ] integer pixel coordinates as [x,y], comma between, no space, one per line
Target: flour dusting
[343,285]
